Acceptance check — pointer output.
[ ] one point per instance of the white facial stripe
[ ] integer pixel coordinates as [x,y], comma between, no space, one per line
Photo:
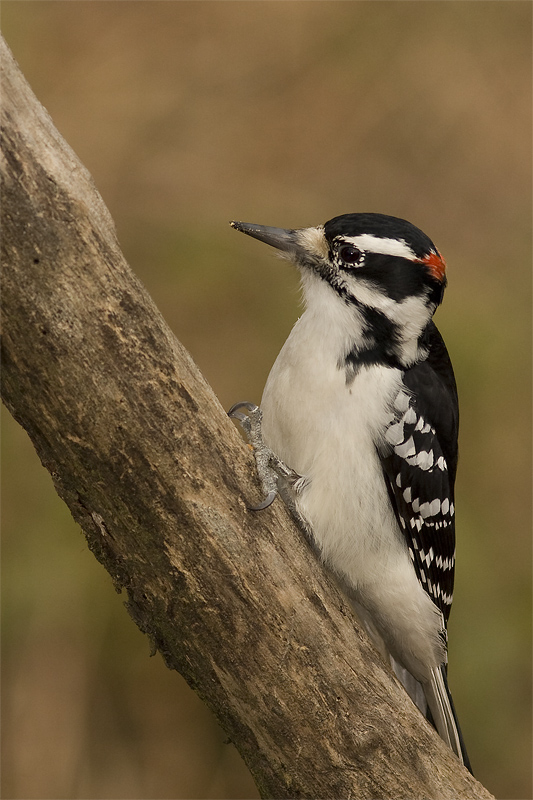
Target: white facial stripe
[375,244]
[397,311]
[411,314]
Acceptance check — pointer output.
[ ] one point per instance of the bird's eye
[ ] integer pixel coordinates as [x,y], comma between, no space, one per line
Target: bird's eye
[350,254]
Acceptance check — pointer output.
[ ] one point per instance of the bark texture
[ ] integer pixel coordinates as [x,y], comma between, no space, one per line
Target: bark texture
[156,475]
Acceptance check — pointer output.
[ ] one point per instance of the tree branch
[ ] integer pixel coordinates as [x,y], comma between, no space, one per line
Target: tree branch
[155,473]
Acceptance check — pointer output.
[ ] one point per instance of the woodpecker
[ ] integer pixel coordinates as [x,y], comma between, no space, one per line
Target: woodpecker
[357,429]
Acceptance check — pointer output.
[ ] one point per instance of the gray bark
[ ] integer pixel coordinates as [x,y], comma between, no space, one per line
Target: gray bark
[157,476]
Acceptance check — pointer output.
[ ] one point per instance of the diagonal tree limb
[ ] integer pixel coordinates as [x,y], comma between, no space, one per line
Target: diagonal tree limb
[156,475]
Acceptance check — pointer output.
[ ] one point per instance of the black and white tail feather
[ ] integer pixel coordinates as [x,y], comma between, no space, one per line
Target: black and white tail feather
[360,410]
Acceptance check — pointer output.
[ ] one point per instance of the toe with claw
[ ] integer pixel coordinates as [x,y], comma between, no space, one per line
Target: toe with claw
[251,424]
[272,470]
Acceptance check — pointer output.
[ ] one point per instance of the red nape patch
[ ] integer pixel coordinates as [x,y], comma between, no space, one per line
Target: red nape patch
[436,265]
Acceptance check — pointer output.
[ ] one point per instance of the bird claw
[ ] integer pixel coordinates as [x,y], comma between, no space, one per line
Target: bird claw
[276,477]
[268,464]
[243,404]
[244,419]
[269,499]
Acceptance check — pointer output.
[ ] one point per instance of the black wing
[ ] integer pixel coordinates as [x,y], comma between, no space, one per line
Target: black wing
[420,465]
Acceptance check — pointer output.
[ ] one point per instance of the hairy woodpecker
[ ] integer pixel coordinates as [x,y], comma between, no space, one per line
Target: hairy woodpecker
[358,429]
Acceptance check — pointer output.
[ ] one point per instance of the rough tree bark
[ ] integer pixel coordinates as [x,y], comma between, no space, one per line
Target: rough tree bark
[156,475]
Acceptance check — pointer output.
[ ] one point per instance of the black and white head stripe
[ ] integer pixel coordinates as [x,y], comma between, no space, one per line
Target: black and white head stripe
[372,227]
[370,243]
[381,235]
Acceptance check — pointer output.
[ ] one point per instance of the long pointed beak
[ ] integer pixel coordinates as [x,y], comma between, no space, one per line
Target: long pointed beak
[276,237]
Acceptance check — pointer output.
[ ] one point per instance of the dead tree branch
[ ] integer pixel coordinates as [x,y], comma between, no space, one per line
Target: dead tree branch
[155,474]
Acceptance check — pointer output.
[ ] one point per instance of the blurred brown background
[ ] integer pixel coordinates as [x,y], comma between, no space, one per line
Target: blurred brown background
[189,114]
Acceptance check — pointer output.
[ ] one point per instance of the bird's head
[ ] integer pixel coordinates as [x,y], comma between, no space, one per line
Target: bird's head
[359,254]
[384,267]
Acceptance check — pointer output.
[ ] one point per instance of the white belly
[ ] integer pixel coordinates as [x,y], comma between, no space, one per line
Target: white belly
[327,431]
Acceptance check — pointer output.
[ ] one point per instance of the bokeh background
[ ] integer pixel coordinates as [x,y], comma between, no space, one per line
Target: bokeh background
[189,114]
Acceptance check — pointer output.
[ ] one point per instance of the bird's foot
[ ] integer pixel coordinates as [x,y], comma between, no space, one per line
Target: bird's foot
[271,470]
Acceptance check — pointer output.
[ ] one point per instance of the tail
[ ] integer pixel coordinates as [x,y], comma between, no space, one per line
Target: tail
[435,702]
[433,697]
[442,714]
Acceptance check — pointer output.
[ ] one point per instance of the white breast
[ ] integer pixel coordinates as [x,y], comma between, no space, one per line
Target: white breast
[327,430]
